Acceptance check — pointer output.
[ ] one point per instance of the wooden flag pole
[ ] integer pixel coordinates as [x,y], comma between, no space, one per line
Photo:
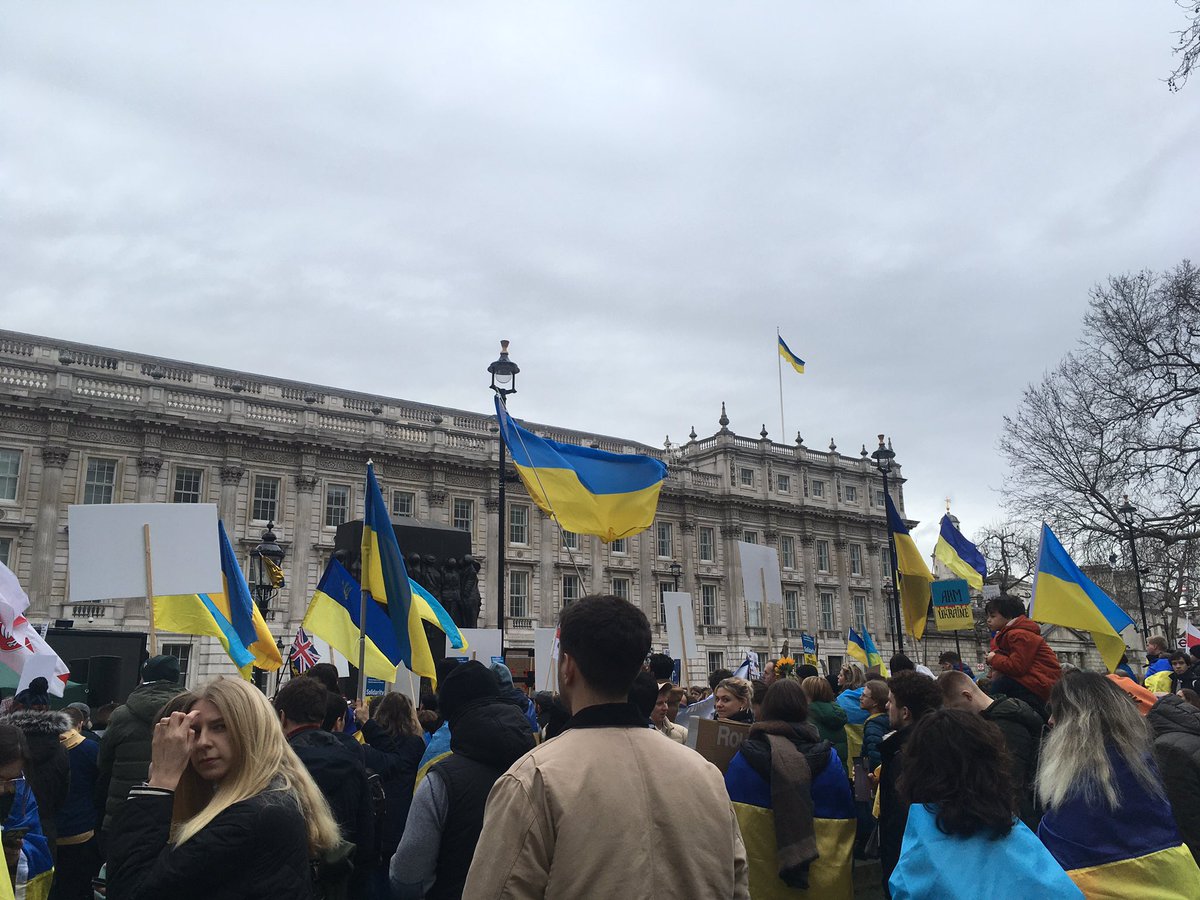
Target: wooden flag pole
[683,672]
[150,591]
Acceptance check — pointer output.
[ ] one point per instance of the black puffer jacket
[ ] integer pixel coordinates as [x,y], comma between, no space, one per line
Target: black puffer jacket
[339,773]
[1176,725]
[49,769]
[1022,729]
[396,764]
[893,812]
[253,850]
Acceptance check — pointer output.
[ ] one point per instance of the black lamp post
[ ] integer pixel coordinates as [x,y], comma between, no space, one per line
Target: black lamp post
[266,578]
[504,382]
[1127,510]
[883,457]
[676,571]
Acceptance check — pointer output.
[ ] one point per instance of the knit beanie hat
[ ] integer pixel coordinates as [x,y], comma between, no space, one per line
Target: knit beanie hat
[503,676]
[469,682]
[160,668]
[36,696]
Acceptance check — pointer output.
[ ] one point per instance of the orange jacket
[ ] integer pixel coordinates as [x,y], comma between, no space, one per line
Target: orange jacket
[1024,656]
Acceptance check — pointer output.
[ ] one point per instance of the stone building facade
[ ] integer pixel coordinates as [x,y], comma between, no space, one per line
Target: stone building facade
[85,424]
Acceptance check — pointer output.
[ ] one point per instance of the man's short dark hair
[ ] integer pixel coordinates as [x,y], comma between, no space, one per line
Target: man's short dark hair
[335,708]
[644,693]
[662,666]
[1006,605]
[327,674]
[919,693]
[608,638]
[901,663]
[303,700]
[1181,656]
[717,677]
[949,656]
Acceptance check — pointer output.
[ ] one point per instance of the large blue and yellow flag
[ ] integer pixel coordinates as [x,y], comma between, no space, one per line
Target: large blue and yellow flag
[334,614]
[230,616]
[862,648]
[1063,595]
[385,580]
[791,358]
[610,495]
[959,555]
[914,576]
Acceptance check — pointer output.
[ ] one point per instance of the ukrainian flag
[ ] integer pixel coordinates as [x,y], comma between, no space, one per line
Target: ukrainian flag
[611,495]
[792,359]
[959,555]
[915,577]
[1063,595]
[385,580]
[334,615]
[862,648]
[230,616]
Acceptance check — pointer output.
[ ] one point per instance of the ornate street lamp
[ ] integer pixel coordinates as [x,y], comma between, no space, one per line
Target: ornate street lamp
[1126,511]
[883,457]
[504,382]
[266,578]
[676,570]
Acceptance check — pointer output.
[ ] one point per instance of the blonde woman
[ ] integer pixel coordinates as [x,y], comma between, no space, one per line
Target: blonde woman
[850,688]
[732,700]
[229,811]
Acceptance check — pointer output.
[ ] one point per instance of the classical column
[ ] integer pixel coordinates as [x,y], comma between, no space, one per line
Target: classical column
[231,477]
[45,544]
[487,573]
[437,501]
[735,626]
[812,606]
[300,584]
[148,469]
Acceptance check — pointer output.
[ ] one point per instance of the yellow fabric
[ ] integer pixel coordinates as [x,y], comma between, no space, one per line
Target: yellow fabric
[266,654]
[875,803]
[38,887]
[374,584]
[424,770]
[330,621]
[915,579]
[830,877]
[854,742]
[560,495]
[1159,682]
[6,888]
[1169,874]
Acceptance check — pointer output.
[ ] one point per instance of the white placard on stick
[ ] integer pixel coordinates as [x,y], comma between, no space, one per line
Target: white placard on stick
[107,557]
[760,573]
[681,625]
[482,645]
[545,675]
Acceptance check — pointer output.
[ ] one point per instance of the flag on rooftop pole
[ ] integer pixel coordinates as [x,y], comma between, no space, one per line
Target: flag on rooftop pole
[1063,595]
[959,555]
[789,357]
[587,491]
[914,576]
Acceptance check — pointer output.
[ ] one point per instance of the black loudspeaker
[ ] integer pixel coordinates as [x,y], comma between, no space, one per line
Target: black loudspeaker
[104,680]
[79,670]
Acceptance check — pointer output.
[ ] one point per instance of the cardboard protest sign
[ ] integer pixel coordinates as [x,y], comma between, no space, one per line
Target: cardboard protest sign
[718,740]
[760,573]
[482,643]
[952,605]
[108,550]
[681,625]
[544,677]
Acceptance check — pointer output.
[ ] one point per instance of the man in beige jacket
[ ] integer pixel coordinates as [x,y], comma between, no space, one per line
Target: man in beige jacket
[607,808]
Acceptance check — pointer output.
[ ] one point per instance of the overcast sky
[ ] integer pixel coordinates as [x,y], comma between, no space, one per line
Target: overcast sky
[371,195]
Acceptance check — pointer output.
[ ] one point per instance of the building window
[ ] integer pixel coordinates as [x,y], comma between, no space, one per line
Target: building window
[822,556]
[100,481]
[860,613]
[518,594]
[879,498]
[750,537]
[464,515]
[571,589]
[10,472]
[791,609]
[754,613]
[716,660]
[266,499]
[663,587]
[787,551]
[403,503]
[783,483]
[747,477]
[183,653]
[188,484]
[885,562]
[851,493]
[620,545]
[570,540]
[6,552]
[706,545]
[818,488]
[518,524]
[337,504]
[708,604]
[620,588]
[664,542]
[827,610]
[856,567]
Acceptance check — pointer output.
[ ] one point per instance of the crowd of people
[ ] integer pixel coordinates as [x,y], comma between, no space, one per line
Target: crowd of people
[1028,776]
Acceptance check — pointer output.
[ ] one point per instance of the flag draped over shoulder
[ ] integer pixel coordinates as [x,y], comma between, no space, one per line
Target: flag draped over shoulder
[914,576]
[230,616]
[22,649]
[334,614]
[862,648]
[610,495]
[959,555]
[385,580]
[1063,595]
[790,358]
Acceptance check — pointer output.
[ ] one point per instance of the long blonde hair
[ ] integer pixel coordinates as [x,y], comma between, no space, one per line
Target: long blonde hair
[1093,717]
[855,675]
[262,761]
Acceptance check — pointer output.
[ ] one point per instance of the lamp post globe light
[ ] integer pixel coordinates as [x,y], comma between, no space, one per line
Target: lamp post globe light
[504,382]
[1126,511]
[266,578]
[676,570]
[883,456]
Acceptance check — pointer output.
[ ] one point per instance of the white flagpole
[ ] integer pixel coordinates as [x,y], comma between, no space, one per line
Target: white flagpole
[779,366]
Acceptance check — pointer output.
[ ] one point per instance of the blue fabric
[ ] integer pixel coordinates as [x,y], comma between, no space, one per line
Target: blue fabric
[35,846]
[78,812]
[937,866]
[1159,665]
[830,790]
[848,700]
[439,745]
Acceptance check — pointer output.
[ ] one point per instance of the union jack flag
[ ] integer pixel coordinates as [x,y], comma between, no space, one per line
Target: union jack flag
[303,655]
